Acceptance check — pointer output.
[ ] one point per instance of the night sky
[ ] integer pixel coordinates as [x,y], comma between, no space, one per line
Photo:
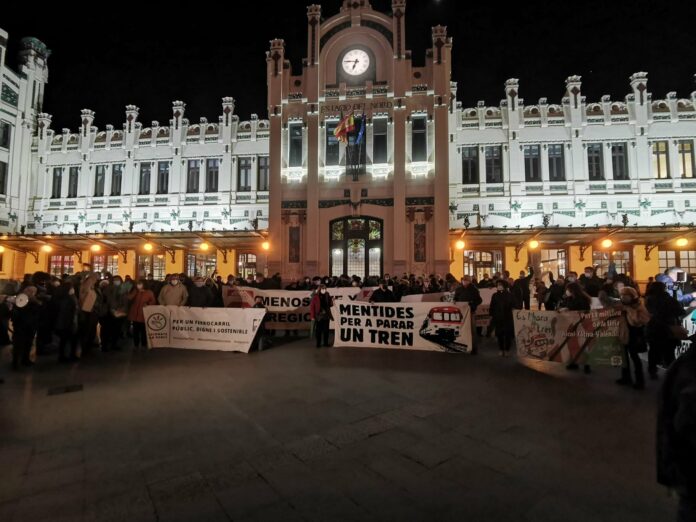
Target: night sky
[104,60]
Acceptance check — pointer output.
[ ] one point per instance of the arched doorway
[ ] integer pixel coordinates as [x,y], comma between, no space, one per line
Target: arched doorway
[356,246]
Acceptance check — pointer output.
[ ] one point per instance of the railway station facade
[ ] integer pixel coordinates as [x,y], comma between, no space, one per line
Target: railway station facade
[423,183]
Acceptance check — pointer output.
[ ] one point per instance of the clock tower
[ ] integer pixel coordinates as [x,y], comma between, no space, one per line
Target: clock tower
[374,198]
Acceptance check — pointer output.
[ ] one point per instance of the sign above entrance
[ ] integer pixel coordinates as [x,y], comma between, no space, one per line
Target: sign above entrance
[356,106]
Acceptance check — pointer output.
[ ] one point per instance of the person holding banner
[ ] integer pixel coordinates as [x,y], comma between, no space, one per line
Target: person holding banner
[501,316]
[320,313]
[468,293]
[139,297]
[636,317]
[576,300]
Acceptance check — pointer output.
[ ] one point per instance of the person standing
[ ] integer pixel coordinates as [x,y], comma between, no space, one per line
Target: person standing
[87,324]
[576,300]
[636,317]
[25,322]
[467,292]
[117,302]
[139,298]
[676,433]
[174,293]
[501,317]
[665,313]
[200,296]
[66,322]
[520,290]
[382,294]
[320,313]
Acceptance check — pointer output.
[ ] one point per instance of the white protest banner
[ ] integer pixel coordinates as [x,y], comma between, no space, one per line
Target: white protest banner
[442,327]
[482,316]
[285,309]
[224,329]
[689,322]
[564,337]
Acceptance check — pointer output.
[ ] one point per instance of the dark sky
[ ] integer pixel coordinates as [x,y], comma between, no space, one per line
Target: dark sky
[104,60]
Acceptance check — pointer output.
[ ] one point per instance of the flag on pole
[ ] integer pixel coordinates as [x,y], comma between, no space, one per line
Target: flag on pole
[344,127]
[361,134]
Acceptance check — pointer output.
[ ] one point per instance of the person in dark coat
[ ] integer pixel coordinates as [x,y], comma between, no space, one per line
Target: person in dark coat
[320,313]
[501,316]
[382,294]
[555,292]
[676,433]
[520,290]
[66,321]
[467,292]
[666,312]
[590,282]
[200,295]
[25,322]
[576,300]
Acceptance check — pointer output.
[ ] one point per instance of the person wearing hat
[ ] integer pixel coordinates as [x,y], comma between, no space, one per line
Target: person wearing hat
[174,293]
[25,322]
[200,295]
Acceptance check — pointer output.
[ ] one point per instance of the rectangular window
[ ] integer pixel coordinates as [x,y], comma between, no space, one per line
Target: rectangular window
[686,158]
[595,167]
[5,133]
[212,169]
[162,177]
[619,161]
[419,139]
[619,260]
[556,162]
[332,145]
[264,173]
[99,176]
[244,174]
[419,243]
[72,182]
[470,165]
[660,159]
[294,245]
[554,261]
[151,264]
[684,259]
[379,140]
[59,265]
[295,155]
[144,187]
[3,177]
[494,164]
[532,164]
[116,179]
[57,182]
[193,176]
[105,263]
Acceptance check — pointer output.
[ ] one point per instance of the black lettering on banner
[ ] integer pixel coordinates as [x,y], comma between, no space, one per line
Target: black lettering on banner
[352,335]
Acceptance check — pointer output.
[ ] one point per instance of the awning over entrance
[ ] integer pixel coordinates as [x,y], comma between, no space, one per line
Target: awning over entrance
[490,238]
[122,242]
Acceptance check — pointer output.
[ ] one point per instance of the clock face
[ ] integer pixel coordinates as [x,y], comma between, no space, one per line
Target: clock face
[356,62]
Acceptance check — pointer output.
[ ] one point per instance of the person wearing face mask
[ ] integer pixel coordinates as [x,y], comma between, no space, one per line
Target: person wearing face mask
[66,322]
[572,277]
[501,316]
[139,297]
[320,313]
[520,290]
[590,282]
[173,294]
[382,294]
[89,313]
[468,293]
[665,317]
[636,317]
[555,293]
[200,295]
[576,300]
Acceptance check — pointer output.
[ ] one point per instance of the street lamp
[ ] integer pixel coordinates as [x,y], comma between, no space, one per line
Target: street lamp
[682,242]
[533,244]
[95,248]
[204,247]
[266,246]
[459,245]
[607,243]
[46,248]
[147,247]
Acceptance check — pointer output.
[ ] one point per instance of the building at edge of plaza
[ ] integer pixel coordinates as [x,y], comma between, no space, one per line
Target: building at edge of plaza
[424,184]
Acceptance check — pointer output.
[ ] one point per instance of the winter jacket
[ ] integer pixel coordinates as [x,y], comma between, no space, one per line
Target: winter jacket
[320,302]
[173,295]
[140,299]
[501,312]
[468,294]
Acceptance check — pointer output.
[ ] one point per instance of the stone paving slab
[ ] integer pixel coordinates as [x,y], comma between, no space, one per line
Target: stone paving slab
[295,433]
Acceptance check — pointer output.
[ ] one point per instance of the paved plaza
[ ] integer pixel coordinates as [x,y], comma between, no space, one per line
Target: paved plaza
[295,433]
